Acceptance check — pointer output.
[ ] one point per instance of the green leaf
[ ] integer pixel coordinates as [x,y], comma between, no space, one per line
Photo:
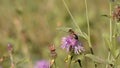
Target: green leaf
[117,53]
[97,59]
[67,58]
[105,15]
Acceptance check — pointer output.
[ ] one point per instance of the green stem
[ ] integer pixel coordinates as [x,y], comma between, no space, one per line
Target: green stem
[88,25]
[115,34]
[108,59]
[74,21]
[55,64]
[110,7]
[70,61]
[11,59]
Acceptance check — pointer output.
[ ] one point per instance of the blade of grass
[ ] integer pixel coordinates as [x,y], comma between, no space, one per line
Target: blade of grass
[74,21]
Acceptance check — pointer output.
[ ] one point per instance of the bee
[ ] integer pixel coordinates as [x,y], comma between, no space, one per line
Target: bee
[52,51]
[72,33]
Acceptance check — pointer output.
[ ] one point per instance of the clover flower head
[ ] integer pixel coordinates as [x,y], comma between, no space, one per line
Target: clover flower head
[69,42]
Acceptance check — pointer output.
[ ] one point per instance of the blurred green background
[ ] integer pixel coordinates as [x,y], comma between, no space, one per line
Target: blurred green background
[31,26]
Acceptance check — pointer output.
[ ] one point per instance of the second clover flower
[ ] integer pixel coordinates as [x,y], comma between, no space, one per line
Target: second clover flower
[42,64]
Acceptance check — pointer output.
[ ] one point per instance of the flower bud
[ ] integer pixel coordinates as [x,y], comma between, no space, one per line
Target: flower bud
[9,47]
[52,51]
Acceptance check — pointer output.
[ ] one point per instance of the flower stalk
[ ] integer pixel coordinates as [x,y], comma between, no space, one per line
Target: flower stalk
[88,25]
[53,55]
[71,57]
[109,54]
[74,21]
[10,50]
